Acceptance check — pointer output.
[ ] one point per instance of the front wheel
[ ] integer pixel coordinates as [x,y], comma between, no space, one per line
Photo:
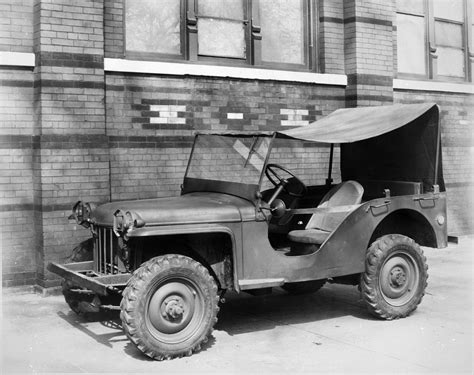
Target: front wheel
[395,277]
[169,306]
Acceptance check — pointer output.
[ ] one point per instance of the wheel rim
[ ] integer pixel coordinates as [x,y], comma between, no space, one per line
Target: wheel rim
[399,279]
[175,310]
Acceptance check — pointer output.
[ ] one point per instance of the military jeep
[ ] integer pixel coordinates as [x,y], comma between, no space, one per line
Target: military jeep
[253,216]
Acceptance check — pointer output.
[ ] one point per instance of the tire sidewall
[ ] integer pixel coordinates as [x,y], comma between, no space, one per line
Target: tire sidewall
[152,277]
[385,249]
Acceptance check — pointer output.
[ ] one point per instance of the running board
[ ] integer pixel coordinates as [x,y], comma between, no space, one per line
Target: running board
[260,283]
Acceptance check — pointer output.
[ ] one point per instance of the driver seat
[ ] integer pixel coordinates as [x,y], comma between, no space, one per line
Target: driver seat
[321,224]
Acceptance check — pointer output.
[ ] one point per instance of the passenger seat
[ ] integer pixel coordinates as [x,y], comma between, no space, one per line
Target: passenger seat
[321,224]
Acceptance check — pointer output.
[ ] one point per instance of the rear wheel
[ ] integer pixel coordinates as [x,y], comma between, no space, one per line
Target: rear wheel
[169,306]
[304,287]
[395,277]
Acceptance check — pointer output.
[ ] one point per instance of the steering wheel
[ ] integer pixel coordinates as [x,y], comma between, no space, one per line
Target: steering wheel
[287,186]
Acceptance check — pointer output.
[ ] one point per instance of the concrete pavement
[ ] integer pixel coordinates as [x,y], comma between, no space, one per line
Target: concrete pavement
[326,332]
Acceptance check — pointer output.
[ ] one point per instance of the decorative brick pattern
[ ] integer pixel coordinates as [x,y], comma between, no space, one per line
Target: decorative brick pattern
[149,159]
[294,117]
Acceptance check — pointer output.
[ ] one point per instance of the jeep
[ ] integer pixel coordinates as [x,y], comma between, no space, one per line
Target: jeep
[253,216]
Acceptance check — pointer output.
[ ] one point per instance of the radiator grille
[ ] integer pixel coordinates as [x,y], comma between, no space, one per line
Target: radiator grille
[106,244]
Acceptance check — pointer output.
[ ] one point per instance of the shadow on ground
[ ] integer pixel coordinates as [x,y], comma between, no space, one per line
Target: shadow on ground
[244,313]
[241,313]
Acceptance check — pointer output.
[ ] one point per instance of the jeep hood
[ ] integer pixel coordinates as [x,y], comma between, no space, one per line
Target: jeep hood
[185,209]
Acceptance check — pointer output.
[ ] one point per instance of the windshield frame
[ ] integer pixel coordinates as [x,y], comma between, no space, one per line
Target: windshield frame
[244,190]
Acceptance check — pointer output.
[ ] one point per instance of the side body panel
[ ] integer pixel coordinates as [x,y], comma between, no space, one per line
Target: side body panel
[344,251]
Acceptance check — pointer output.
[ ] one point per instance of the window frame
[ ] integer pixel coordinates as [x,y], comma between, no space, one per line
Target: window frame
[253,39]
[152,56]
[431,57]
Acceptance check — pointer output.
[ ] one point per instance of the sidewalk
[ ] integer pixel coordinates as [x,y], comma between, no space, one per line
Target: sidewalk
[326,332]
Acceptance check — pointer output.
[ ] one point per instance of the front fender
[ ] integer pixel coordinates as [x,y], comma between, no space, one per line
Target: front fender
[190,229]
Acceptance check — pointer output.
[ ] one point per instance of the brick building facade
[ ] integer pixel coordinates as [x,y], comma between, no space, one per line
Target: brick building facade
[82,117]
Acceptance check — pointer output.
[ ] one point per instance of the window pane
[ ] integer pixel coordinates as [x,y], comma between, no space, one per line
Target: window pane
[282,23]
[221,38]
[449,9]
[233,9]
[448,34]
[410,6]
[411,48]
[450,62]
[153,26]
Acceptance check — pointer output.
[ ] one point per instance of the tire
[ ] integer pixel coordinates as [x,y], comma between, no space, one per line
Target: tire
[395,277]
[80,303]
[304,287]
[169,307]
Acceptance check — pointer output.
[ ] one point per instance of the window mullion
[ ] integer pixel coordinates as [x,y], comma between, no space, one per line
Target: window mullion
[255,29]
[191,31]
[431,43]
[469,42]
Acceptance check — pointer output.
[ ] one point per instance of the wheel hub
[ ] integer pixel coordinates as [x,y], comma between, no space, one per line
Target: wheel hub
[398,277]
[173,308]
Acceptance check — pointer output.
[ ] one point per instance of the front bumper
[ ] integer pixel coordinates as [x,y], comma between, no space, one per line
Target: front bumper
[82,274]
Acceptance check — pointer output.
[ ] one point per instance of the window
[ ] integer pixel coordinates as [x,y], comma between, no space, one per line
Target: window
[153,27]
[433,39]
[265,33]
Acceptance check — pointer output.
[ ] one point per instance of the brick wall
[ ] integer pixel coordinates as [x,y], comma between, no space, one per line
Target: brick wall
[113,28]
[151,121]
[457,122]
[368,32]
[72,152]
[70,131]
[17,231]
[16,25]
[331,36]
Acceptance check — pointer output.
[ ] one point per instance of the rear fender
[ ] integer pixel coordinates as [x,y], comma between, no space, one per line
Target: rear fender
[345,249]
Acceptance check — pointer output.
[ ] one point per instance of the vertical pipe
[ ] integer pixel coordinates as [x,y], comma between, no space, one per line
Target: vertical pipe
[331,155]
[438,144]
[99,245]
[111,242]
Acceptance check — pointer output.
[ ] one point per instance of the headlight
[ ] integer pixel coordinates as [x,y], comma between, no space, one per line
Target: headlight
[124,222]
[81,212]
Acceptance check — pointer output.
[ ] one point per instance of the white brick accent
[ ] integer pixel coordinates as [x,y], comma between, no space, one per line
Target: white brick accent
[159,120]
[168,108]
[168,114]
[289,112]
[176,120]
[156,108]
[235,116]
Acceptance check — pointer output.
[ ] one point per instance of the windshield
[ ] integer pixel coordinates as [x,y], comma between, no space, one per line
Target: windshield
[229,158]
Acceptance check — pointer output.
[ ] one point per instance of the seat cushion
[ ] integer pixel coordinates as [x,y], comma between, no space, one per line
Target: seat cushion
[310,236]
[347,193]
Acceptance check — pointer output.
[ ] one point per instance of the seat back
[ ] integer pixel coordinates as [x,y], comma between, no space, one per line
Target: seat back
[346,193]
